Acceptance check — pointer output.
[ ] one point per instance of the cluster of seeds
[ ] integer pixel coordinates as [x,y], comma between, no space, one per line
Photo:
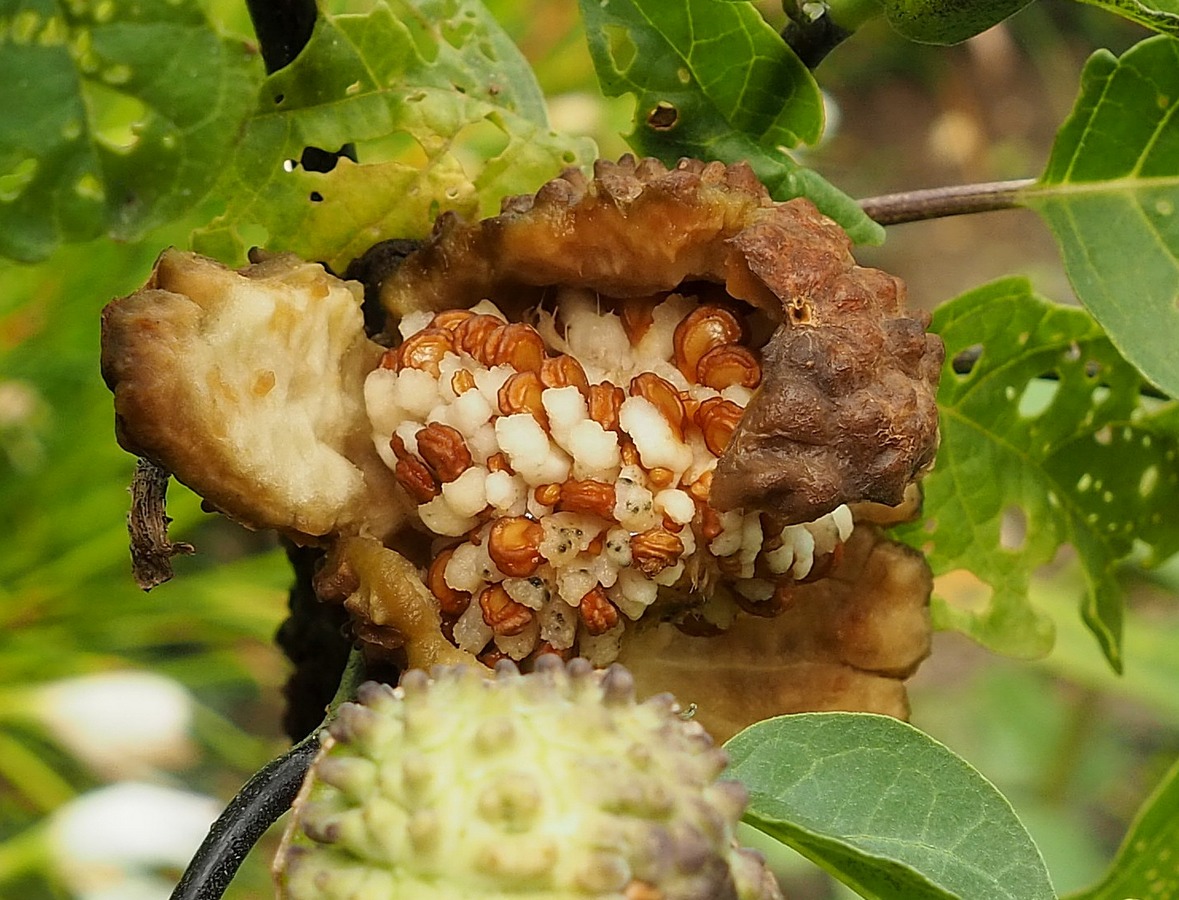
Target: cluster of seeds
[565,468]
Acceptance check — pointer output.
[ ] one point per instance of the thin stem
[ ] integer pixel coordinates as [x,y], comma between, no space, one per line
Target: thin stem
[938,203]
[258,805]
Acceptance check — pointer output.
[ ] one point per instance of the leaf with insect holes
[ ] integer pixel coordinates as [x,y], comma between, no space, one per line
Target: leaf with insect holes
[117,117]
[1147,863]
[885,808]
[1110,194]
[442,109]
[1046,440]
[712,80]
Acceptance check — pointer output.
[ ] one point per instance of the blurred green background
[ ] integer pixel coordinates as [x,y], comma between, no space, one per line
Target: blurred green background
[1073,746]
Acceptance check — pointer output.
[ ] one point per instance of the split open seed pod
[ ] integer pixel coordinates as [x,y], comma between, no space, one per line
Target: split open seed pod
[649,402]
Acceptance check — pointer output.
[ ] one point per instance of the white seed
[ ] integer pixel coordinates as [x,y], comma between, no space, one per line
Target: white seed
[842,516]
[467,495]
[634,507]
[636,591]
[825,533]
[677,505]
[574,583]
[464,569]
[486,308]
[654,439]
[441,518]
[489,381]
[529,451]
[728,541]
[471,633]
[804,550]
[380,401]
[601,649]
[517,646]
[531,592]
[669,576]
[414,322]
[408,432]
[565,408]
[483,443]
[558,624]
[565,535]
[417,392]
[738,393]
[595,451]
[594,337]
[617,547]
[658,342]
[504,491]
[780,559]
[469,411]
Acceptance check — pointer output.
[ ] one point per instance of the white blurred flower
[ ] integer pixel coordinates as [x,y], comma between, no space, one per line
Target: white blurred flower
[110,842]
[121,724]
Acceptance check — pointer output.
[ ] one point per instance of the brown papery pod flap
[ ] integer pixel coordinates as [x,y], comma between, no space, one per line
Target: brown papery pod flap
[846,642]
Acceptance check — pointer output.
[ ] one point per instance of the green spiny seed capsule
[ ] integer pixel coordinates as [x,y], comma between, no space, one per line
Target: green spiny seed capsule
[556,784]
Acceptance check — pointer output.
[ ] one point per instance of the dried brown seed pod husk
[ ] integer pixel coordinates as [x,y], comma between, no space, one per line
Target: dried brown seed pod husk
[771,383]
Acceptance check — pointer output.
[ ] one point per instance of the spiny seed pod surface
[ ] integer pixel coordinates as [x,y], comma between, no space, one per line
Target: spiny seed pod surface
[555,784]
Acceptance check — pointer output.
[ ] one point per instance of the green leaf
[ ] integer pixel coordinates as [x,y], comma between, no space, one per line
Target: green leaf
[947,21]
[712,80]
[1161,15]
[1147,863]
[1110,194]
[442,109]
[885,808]
[118,117]
[1046,441]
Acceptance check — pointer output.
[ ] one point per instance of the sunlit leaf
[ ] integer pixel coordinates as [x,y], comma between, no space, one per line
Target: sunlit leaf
[885,808]
[117,117]
[1046,440]
[443,112]
[1160,15]
[712,80]
[1111,196]
[1147,864]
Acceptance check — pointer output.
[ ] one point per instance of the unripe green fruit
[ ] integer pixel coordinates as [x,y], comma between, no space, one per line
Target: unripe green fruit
[947,21]
[551,785]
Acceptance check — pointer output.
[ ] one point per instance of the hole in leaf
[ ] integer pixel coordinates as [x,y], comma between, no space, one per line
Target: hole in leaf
[663,117]
[964,590]
[965,361]
[316,159]
[1103,436]
[486,48]
[683,75]
[289,165]
[478,142]
[316,197]
[1013,529]
[621,47]
[13,182]
[1149,481]
[279,98]
[1085,482]
[1092,368]
[1038,396]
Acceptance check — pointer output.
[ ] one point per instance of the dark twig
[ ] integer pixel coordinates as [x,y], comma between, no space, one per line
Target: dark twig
[257,806]
[938,203]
